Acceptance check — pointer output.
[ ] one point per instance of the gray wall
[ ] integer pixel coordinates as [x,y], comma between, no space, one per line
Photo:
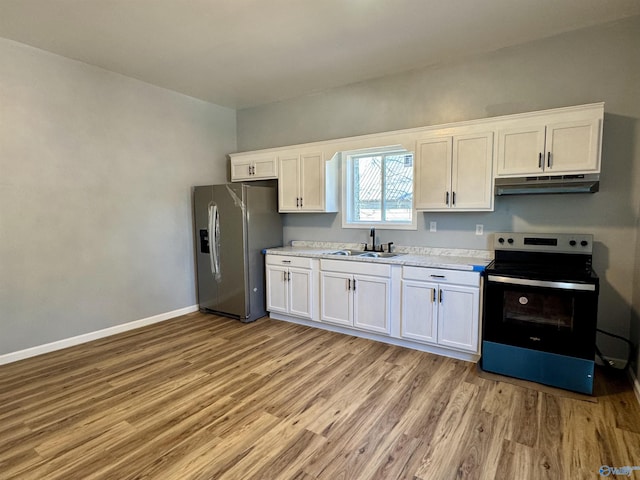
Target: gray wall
[95,206]
[589,65]
[635,311]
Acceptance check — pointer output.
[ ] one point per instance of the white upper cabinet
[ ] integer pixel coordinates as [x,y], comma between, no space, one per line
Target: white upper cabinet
[455,164]
[307,183]
[253,167]
[433,172]
[563,141]
[454,172]
[289,183]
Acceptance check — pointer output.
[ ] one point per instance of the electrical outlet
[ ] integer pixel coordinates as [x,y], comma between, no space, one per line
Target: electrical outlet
[433,227]
[479,229]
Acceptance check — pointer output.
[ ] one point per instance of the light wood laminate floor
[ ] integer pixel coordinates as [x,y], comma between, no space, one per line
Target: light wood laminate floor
[204,397]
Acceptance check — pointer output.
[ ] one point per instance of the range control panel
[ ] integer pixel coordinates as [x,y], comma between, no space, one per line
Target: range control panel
[544,242]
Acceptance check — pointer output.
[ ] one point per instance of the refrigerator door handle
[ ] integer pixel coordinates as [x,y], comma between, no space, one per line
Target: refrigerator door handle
[214,240]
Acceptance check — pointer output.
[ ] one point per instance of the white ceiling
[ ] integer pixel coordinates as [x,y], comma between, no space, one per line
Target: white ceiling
[242,53]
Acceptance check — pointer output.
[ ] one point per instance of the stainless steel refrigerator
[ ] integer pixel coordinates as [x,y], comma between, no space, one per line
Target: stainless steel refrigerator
[233,223]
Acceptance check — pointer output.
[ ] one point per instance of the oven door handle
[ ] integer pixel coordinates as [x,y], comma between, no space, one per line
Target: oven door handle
[542,283]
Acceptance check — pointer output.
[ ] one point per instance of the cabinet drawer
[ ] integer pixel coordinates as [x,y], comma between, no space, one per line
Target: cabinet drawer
[441,275]
[356,268]
[288,261]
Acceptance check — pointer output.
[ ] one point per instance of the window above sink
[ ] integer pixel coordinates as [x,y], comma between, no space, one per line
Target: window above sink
[378,189]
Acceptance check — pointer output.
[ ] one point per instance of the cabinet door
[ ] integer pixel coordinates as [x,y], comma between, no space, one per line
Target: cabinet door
[288,184]
[433,173]
[277,294]
[471,176]
[300,292]
[573,147]
[240,170]
[419,311]
[265,168]
[458,319]
[336,298]
[371,303]
[520,150]
[312,182]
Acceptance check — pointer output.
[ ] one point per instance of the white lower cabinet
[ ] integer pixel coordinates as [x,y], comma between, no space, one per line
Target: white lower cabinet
[441,307]
[458,309]
[336,299]
[289,286]
[429,309]
[419,311]
[358,299]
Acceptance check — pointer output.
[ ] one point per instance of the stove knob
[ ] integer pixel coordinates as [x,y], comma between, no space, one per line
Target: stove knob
[572,243]
[510,240]
[501,240]
[584,243]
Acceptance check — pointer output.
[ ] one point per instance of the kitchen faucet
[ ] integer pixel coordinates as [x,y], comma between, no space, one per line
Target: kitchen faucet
[372,234]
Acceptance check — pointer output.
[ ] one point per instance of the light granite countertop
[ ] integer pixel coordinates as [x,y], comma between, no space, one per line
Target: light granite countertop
[449,258]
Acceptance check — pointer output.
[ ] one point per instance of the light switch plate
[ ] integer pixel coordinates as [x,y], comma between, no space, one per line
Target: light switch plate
[433,226]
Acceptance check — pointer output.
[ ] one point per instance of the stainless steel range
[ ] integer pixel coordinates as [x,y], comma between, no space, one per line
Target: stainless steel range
[540,309]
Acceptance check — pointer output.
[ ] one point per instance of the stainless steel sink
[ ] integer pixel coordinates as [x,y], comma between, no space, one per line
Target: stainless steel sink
[379,254]
[360,253]
[346,252]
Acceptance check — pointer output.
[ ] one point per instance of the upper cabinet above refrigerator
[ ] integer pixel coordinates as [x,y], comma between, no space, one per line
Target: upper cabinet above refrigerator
[247,167]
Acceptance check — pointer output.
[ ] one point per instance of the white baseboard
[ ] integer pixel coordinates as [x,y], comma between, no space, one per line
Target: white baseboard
[88,337]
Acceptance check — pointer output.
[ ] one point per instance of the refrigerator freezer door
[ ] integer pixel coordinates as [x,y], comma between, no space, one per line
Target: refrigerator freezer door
[207,287]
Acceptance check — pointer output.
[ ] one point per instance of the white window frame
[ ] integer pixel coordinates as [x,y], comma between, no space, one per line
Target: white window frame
[347,191]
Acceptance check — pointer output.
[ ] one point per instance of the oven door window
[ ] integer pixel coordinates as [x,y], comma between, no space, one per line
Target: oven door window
[538,309]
